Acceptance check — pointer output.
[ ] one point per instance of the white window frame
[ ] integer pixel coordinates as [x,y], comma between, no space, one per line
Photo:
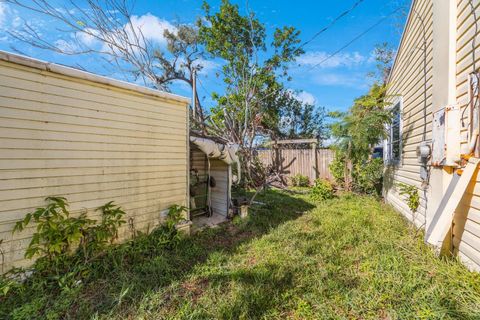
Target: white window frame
[387,149]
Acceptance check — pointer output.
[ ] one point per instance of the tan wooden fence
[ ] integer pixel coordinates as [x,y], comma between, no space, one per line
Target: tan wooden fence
[308,162]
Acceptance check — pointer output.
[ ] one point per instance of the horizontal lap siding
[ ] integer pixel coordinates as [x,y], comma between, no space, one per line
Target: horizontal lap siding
[89,142]
[466,226]
[198,160]
[408,81]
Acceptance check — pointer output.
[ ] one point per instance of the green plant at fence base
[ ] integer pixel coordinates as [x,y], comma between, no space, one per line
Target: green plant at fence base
[322,190]
[413,197]
[368,176]
[299,180]
[337,169]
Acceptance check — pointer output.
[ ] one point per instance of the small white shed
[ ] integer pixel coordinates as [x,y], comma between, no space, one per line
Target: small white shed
[212,158]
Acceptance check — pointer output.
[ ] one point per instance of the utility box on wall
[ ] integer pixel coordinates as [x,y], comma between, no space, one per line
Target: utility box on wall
[446,137]
[452,136]
[438,138]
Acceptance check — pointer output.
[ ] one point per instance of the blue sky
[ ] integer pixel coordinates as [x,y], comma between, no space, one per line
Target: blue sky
[332,85]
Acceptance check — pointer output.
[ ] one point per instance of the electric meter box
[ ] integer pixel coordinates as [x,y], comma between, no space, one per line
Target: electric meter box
[446,137]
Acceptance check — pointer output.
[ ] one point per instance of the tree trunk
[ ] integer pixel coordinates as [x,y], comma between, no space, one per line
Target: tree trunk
[348,169]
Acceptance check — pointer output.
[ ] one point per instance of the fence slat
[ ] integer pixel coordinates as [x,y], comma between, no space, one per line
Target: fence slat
[290,162]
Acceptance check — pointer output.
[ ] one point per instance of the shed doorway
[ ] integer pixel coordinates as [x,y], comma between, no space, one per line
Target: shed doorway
[210,189]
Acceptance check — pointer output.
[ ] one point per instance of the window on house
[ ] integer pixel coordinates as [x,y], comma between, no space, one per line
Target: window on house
[394,137]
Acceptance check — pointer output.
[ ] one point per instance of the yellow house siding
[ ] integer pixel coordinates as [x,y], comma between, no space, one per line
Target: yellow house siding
[466,225]
[407,81]
[90,142]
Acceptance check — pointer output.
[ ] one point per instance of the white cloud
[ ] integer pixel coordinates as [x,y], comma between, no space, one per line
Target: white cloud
[306,97]
[303,96]
[152,27]
[17,22]
[88,37]
[3,12]
[9,20]
[340,60]
[208,66]
[66,46]
[352,80]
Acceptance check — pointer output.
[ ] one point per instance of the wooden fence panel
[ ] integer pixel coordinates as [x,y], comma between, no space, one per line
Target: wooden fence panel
[308,162]
[324,158]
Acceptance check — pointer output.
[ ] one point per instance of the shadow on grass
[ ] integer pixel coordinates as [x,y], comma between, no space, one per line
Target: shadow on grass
[129,272]
[258,286]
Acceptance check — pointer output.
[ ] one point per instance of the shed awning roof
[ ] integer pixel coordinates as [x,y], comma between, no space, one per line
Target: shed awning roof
[215,150]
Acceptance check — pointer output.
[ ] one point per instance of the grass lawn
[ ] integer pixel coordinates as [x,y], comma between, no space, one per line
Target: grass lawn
[348,258]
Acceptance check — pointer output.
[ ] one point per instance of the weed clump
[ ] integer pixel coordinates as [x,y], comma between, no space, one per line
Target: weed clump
[322,190]
[299,180]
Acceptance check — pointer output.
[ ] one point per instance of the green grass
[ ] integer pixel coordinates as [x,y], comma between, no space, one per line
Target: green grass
[347,258]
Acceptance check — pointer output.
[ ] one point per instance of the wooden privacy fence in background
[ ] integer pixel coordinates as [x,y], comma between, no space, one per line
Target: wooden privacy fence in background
[313,163]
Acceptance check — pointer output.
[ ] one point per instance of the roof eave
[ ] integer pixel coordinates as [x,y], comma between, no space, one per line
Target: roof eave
[84,75]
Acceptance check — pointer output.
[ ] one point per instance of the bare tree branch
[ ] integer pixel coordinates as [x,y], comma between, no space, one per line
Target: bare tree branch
[107,28]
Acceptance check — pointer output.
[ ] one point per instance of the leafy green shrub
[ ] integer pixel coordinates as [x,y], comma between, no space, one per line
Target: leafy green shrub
[101,235]
[337,169]
[299,180]
[72,252]
[413,198]
[322,190]
[57,232]
[175,215]
[368,176]
[58,235]
[7,284]
[169,236]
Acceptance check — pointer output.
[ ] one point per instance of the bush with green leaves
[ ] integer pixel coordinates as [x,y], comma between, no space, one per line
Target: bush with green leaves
[322,190]
[63,244]
[175,214]
[337,169]
[368,176]
[356,133]
[59,234]
[413,197]
[71,250]
[299,180]
[170,236]
[101,235]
